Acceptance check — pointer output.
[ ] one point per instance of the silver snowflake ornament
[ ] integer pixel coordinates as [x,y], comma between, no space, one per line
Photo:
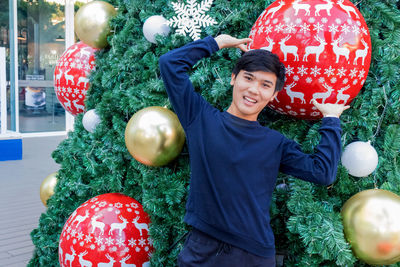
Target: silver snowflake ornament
[191,17]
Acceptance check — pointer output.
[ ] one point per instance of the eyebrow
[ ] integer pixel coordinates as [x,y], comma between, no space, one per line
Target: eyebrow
[250,74]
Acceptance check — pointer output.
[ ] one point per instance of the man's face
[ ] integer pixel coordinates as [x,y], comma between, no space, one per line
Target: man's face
[252,91]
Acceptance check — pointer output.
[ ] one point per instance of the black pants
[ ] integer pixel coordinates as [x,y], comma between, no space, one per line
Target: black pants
[203,250]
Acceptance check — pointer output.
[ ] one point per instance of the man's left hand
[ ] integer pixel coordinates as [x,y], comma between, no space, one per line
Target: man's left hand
[330,110]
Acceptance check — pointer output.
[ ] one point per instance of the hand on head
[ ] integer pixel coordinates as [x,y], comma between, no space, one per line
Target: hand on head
[330,110]
[227,41]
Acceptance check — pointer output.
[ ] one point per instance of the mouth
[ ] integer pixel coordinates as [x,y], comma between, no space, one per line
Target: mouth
[249,100]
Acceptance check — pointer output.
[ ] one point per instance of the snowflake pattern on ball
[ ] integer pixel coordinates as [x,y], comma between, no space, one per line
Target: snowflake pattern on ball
[318,27]
[289,70]
[279,27]
[191,17]
[268,29]
[302,70]
[315,71]
[132,242]
[120,242]
[290,28]
[341,72]
[345,28]
[305,27]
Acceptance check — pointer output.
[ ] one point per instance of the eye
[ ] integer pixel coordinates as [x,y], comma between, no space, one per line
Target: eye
[247,78]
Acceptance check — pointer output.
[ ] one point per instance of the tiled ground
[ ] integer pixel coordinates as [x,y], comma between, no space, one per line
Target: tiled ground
[20,205]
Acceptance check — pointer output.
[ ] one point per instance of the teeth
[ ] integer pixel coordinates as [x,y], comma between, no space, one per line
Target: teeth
[250,100]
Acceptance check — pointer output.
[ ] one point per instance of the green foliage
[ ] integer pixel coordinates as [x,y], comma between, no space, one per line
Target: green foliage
[306,218]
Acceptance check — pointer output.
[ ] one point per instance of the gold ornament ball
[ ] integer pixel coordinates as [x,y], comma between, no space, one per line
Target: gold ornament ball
[91,23]
[154,136]
[371,221]
[47,187]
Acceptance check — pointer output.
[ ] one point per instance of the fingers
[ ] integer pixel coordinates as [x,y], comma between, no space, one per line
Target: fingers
[343,107]
[246,40]
[338,105]
[243,48]
[315,103]
[227,41]
[242,43]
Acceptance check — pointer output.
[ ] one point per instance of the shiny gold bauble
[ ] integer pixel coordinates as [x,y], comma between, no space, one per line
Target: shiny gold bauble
[47,187]
[154,136]
[371,221]
[91,23]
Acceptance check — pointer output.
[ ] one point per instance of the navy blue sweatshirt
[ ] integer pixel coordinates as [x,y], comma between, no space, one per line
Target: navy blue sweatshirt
[235,162]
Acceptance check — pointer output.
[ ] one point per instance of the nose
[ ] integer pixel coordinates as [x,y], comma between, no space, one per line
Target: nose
[253,89]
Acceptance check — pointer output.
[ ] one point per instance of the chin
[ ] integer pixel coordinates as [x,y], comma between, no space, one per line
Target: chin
[248,113]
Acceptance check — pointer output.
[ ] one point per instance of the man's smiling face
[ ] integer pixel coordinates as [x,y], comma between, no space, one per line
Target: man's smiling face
[252,91]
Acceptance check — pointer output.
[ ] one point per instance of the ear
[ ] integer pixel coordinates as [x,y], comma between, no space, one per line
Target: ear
[273,96]
[233,78]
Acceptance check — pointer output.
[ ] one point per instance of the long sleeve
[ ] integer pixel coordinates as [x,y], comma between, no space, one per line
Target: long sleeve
[321,166]
[174,66]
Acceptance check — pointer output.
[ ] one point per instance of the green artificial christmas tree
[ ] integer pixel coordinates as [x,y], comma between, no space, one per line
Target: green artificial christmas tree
[305,218]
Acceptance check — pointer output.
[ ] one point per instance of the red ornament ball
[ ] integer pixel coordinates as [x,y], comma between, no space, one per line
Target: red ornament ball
[71,76]
[108,229]
[325,46]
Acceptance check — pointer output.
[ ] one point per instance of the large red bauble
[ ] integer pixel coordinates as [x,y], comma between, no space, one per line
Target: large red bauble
[325,46]
[71,76]
[107,229]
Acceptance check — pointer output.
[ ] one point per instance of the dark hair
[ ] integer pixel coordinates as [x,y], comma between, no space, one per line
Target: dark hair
[262,60]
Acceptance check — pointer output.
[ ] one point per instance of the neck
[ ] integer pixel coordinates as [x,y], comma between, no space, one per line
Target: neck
[233,111]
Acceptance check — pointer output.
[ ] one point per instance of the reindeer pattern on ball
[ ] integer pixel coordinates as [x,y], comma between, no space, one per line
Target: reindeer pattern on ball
[71,81]
[325,47]
[106,232]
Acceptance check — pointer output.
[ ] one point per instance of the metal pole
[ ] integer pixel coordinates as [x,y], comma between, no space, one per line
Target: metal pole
[36,47]
[69,40]
[14,66]
[3,91]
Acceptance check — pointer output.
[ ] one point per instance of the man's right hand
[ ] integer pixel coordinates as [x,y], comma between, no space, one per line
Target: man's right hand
[227,41]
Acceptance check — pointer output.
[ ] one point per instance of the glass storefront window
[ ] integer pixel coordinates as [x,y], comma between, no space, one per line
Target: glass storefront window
[4,36]
[4,42]
[35,31]
[41,31]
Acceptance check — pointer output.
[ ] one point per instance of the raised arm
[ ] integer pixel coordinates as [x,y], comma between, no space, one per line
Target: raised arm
[321,166]
[174,66]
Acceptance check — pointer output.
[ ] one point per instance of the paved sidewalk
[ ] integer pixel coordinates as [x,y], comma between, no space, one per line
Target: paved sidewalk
[20,204]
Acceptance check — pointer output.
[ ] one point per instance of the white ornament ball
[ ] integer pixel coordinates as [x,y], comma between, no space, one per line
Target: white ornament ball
[155,25]
[90,120]
[360,158]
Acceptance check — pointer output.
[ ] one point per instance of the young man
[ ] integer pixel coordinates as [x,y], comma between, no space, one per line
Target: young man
[234,160]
